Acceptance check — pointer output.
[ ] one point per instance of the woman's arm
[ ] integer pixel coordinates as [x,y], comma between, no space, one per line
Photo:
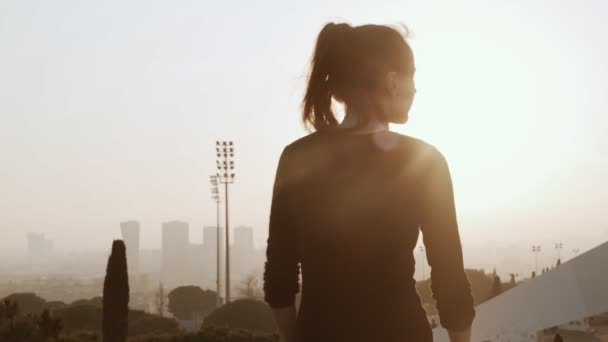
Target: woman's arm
[439,226]
[286,322]
[282,268]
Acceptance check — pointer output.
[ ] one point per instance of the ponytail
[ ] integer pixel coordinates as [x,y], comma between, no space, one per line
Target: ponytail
[329,53]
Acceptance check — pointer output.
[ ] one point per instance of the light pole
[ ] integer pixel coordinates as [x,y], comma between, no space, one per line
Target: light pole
[536,250]
[558,248]
[225,175]
[216,197]
[423,261]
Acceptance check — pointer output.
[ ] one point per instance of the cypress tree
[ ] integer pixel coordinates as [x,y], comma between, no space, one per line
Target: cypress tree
[116,295]
[496,288]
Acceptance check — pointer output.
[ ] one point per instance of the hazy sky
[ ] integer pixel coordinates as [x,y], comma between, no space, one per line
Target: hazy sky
[109,111]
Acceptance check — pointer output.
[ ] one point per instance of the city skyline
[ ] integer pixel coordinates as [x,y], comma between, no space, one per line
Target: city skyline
[505,257]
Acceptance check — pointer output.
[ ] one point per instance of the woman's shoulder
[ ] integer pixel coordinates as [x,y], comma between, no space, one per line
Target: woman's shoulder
[385,140]
[412,145]
[311,139]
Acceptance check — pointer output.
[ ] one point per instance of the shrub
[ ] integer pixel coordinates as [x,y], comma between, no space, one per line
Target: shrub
[186,302]
[245,314]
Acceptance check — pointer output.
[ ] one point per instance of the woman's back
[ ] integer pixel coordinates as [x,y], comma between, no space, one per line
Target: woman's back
[350,199]
[347,208]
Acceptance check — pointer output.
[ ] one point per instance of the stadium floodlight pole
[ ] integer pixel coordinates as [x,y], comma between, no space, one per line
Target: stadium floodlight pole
[215,195]
[423,261]
[225,175]
[536,250]
[558,247]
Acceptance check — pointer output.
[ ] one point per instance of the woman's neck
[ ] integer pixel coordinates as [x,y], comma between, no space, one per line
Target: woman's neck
[354,119]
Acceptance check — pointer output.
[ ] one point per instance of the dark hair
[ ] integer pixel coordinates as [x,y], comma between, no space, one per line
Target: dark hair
[348,60]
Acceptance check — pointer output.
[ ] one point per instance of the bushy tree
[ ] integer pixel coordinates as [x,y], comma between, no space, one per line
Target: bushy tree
[141,323]
[8,310]
[55,304]
[29,303]
[481,284]
[188,302]
[20,329]
[116,295]
[27,328]
[250,287]
[245,314]
[80,318]
[95,301]
[50,327]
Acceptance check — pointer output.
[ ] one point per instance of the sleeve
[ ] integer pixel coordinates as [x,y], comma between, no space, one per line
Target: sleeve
[282,269]
[449,283]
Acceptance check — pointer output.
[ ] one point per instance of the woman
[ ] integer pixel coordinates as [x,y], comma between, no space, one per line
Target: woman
[350,200]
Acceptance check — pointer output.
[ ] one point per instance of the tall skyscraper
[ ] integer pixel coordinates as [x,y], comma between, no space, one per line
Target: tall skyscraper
[175,244]
[130,235]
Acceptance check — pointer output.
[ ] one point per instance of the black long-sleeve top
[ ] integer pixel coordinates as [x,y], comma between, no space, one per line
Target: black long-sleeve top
[346,211]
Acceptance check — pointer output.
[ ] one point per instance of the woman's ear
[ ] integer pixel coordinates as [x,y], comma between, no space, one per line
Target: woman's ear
[391,83]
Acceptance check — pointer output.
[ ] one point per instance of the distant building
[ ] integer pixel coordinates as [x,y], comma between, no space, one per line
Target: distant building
[243,239]
[210,240]
[244,258]
[150,261]
[185,263]
[209,258]
[39,248]
[130,234]
[175,251]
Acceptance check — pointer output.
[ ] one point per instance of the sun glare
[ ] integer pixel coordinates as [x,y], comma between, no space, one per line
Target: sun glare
[504,136]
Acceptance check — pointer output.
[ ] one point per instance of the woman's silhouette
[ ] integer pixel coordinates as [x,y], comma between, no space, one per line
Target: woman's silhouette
[350,199]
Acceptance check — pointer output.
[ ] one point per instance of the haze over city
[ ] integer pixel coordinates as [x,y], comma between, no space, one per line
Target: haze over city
[109,112]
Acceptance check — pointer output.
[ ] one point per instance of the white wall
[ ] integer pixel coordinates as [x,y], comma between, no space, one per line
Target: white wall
[576,289]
